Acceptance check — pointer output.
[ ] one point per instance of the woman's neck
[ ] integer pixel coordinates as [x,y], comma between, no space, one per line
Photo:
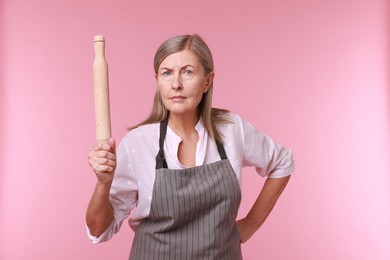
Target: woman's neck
[183,124]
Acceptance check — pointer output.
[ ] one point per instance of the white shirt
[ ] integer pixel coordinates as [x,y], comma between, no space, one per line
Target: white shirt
[133,182]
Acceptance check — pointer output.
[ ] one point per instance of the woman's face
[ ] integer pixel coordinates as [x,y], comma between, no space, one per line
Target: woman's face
[182,81]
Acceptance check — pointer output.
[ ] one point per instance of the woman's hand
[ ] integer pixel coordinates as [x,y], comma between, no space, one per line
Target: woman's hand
[102,160]
[247,228]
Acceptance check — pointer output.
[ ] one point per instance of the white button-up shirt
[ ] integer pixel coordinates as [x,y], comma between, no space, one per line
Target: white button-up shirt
[132,187]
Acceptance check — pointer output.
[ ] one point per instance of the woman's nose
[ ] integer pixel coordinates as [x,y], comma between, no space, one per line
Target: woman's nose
[177,82]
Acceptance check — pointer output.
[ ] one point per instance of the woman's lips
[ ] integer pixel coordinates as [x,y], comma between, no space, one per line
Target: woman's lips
[177,98]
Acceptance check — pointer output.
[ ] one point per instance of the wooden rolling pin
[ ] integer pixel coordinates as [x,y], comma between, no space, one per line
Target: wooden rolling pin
[101,91]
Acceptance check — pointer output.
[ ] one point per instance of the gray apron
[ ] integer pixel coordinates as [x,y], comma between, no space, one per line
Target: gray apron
[193,212]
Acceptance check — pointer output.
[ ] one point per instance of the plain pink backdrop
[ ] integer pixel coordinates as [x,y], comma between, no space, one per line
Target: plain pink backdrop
[314,75]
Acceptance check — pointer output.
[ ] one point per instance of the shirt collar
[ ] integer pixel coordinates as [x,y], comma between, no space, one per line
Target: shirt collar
[173,140]
[198,127]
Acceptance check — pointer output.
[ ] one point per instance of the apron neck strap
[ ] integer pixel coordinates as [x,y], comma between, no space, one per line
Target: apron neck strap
[221,150]
[160,158]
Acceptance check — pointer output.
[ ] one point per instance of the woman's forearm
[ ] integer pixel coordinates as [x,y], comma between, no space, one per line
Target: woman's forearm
[262,207]
[266,200]
[100,212]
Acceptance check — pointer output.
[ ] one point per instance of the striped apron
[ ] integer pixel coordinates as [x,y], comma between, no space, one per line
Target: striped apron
[193,212]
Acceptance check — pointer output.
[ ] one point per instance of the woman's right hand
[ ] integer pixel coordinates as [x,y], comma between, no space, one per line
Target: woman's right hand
[102,160]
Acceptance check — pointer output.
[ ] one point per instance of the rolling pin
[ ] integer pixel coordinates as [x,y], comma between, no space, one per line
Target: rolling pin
[101,91]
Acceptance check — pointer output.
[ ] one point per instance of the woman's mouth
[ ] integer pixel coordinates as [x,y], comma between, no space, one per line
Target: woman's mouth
[177,98]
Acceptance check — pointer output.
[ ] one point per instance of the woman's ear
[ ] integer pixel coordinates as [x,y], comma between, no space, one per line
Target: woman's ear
[209,81]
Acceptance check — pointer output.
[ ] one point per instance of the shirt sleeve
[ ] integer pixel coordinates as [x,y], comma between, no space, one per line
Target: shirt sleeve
[268,157]
[123,193]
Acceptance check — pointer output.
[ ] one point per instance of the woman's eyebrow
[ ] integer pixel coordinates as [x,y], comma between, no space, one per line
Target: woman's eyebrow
[185,66]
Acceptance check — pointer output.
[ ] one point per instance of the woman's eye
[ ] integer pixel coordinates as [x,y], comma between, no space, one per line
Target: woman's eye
[188,72]
[166,73]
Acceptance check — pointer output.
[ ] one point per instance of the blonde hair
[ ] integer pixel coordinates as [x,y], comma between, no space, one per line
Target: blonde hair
[210,117]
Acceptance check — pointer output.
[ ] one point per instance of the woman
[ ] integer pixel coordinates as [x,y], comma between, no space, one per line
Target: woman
[180,169]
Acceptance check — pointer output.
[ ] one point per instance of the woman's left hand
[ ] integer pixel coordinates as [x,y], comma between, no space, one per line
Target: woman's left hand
[247,228]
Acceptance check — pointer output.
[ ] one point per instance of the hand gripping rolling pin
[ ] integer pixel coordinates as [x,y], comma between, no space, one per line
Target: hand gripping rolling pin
[101,92]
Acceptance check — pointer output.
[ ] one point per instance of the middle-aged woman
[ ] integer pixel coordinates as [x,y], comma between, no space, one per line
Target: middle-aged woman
[179,171]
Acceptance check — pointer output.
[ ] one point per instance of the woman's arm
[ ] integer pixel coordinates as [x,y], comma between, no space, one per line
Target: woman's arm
[263,205]
[100,213]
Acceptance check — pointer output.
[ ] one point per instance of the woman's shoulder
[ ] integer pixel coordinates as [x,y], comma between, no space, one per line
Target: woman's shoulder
[147,131]
[228,117]
[236,125]
[235,118]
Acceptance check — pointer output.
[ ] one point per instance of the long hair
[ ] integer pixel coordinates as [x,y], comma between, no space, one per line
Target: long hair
[211,117]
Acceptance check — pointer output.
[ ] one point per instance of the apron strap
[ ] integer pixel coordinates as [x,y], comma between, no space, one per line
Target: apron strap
[160,158]
[221,150]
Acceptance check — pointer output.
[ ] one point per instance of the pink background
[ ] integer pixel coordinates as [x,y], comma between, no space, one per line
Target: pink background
[312,74]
